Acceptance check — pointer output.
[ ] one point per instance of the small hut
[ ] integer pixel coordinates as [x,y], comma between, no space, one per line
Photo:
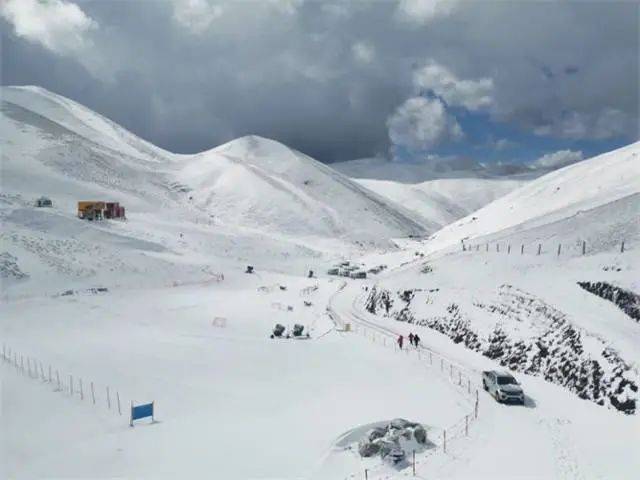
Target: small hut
[91,210]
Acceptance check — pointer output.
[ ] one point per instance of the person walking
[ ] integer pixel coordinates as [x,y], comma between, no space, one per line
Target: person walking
[416,340]
[411,339]
[400,341]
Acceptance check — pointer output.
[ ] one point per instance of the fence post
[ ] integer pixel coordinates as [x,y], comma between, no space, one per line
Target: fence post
[476,409]
[58,379]
[622,247]
[459,378]
[539,248]
[366,474]
[50,373]
[444,441]
[414,463]
[450,371]
[477,247]
[93,394]
[509,249]
[108,398]
[430,359]
[522,249]
[118,397]
[44,379]
[487,247]
[559,248]
[497,247]
[466,425]
[22,364]
[71,384]
[468,385]
[584,247]
[81,392]
[29,367]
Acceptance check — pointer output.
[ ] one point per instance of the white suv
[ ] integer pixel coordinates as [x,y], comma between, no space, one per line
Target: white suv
[503,387]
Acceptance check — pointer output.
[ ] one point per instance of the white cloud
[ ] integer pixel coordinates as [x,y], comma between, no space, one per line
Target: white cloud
[608,123]
[58,25]
[504,144]
[421,12]
[196,15]
[558,159]
[422,123]
[363,52]
[470,94]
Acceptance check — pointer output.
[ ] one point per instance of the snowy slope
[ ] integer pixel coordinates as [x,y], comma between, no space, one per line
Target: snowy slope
[70,115]
[262,183]
[445,200]
[437,192]
[555,197]
[250,201]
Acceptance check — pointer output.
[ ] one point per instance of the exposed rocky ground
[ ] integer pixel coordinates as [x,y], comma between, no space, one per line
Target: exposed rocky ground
[554,348]
[394,441]
[9,267]
[626,300]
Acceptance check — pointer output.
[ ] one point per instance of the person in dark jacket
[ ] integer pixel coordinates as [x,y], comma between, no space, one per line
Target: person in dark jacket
[411,339]
[400,341]
[416,340]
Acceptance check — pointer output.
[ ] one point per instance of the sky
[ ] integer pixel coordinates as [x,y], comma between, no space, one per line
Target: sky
[542,83]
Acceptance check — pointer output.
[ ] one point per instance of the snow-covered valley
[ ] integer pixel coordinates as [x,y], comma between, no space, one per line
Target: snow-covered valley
[158,307]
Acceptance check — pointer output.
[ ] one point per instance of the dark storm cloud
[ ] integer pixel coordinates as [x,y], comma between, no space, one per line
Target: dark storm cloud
[325,78]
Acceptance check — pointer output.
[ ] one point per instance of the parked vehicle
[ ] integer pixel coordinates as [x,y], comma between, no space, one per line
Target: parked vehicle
[503,387]
[278,331]
[358,274]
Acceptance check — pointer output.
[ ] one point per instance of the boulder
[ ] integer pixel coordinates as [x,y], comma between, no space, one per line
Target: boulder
[400,423]
[376,433]
[386,446]
[395,456]
[368,449]
[420,434]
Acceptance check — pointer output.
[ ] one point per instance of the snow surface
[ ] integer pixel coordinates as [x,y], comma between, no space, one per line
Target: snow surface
[158,308]
[445,200]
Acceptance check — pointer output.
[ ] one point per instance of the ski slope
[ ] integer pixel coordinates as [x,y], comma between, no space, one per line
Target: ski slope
[159,308]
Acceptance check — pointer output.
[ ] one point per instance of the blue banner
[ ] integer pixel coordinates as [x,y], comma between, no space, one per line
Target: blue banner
[142,411]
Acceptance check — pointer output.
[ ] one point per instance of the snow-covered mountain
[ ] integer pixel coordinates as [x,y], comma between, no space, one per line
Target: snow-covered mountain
[442,192]
[257,182]
[413,172]
[444,200]
[574,201]
[253,200]
[251,182]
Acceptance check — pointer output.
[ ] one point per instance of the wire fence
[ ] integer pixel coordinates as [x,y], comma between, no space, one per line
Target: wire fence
[576,248]
[65,383]
[464,380]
